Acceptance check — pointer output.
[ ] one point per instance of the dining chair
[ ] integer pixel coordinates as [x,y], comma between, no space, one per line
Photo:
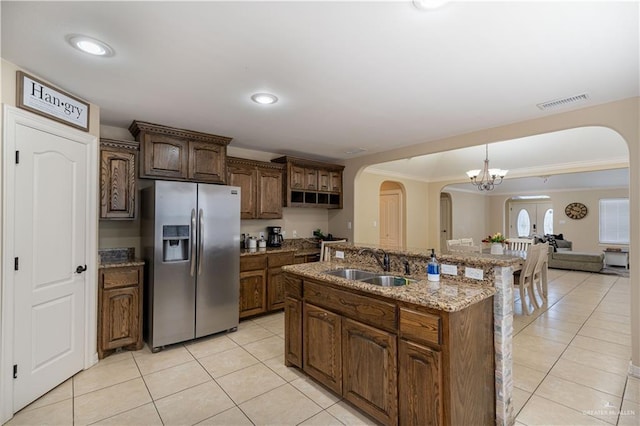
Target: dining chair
[519,244]
[325,253]
[465,249]
[466,241]
[540,271]
[525,280]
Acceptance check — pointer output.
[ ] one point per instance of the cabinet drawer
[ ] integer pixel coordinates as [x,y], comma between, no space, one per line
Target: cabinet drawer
[364,309]
[253,262]
[420,326]
[280,259]
[120,277]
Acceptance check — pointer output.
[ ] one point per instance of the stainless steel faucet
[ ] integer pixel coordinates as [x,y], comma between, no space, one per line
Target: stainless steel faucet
[385,263]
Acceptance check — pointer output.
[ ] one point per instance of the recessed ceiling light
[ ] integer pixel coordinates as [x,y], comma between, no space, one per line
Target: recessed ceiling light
[264,98]
[90,45]
[429,4]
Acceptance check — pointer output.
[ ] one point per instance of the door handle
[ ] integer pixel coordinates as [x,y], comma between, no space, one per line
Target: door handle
[193,241]
[201,230]
[80,269]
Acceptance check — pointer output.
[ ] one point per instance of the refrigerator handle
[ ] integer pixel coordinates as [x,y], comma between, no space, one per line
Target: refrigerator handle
[193,241]
[201,238]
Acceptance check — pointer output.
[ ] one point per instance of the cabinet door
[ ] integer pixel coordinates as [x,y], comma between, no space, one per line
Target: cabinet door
[275,288]
[293,332]
[420,385]
[311,179]
[207,162]
[322,346]
[297,178]
[369,370]
[164,157]
[335,181]
[120,317]
[245,178]
[269,198]
[117,184]
[253,294]
[323,180]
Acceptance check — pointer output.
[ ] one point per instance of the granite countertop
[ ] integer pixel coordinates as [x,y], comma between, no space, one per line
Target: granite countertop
[120,263]
[267,250]
[445,295]
[118,258]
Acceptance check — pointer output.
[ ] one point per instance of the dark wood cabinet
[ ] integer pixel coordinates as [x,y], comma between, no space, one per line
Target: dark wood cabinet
[253,285]
[310,183]
[322,346]
[260,187]
[178,154]
[419,385]
[117,179]
[369,370]
[262,282]
[120,309]
[398,362]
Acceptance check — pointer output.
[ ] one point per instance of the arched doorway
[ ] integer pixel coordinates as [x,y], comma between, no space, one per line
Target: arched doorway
[392,215]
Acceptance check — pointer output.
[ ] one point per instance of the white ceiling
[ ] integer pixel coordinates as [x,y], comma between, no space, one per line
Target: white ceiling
[376,75]
[529,160]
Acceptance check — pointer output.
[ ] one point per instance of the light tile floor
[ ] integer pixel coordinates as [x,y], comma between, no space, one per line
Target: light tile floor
[570,364]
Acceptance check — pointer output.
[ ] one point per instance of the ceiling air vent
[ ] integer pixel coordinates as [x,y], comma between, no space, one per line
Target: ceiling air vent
[565,102]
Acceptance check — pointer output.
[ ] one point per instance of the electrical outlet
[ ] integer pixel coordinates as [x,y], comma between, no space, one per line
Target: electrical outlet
[284,234]
[473,273]
[349,225]
[295,234]
[262,235]
[339,254]
[449,269]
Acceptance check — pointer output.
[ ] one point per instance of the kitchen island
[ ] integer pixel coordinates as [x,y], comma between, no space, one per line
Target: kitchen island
[420,353]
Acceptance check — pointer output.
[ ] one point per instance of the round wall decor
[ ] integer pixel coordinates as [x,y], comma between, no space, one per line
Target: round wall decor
[576,210]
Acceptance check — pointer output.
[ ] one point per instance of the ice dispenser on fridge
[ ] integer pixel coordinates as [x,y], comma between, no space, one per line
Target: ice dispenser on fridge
[175,243]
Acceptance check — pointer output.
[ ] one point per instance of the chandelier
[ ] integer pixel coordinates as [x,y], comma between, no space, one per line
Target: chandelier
[486,178]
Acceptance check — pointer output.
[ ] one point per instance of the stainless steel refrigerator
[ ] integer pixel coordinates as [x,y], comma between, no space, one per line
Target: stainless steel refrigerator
[191,245]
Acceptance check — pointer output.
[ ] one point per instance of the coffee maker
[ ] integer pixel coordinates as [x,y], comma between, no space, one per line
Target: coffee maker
[274,239]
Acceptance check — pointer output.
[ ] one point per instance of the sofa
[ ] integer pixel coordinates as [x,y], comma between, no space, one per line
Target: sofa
[561,255]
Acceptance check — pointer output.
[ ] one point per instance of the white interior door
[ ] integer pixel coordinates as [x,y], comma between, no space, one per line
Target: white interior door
[391,219]
[445,220]
[52,195]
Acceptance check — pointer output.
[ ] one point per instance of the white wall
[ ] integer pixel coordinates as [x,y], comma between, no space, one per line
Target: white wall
[470,213]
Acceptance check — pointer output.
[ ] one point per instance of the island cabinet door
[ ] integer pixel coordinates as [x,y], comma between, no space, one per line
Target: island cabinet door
[420,385]
[369,370]
[293,332]
[322,346]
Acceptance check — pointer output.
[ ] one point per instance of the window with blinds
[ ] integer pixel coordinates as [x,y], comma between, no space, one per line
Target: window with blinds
[614,221]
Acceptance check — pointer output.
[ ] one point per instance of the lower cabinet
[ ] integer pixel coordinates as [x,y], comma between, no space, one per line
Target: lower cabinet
[419,381]
[322,346]
[262,282]
[369,370]
[397,362]
[120,309]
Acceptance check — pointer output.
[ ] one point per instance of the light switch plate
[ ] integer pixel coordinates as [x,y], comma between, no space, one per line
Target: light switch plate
[339,254]
[473,273]
[449,269]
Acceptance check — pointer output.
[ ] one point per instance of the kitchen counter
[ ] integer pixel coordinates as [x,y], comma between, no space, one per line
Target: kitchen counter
[267,250]
[446,295]
[118,258]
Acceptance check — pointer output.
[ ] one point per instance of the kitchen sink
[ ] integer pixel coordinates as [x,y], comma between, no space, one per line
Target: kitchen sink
[352,274]
[387,280]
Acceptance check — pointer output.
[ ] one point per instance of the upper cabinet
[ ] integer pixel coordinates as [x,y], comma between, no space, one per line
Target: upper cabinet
[311,183]
[117,179]
[260,187]
[177,154]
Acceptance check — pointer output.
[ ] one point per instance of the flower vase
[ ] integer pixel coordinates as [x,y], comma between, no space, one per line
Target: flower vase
[497,248]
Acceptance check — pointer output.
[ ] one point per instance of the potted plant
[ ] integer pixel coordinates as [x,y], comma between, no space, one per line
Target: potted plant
[497,241]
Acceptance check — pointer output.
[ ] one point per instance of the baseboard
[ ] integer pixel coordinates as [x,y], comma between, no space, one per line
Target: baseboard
[634,370]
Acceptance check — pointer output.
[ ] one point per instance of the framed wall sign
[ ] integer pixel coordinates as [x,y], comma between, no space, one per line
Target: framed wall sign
[41,98]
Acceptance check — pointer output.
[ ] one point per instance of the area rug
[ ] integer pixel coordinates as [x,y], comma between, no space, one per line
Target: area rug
[620,271]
